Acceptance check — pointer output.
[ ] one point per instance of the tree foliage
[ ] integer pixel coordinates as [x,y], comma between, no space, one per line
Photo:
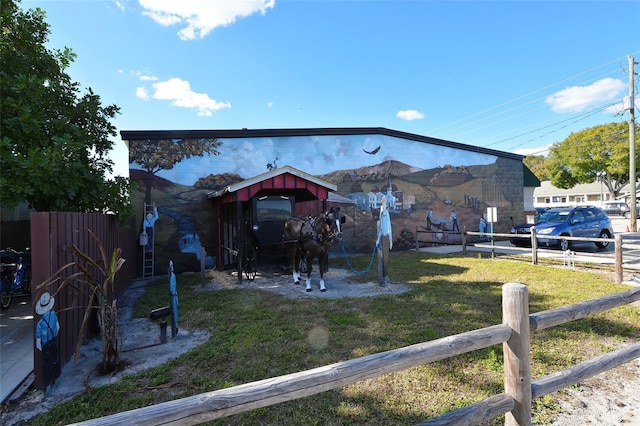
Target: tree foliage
[156,155]
[54,140]
[600,152]
[536,163]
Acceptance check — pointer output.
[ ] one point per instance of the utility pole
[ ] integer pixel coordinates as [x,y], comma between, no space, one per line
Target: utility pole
[632,145]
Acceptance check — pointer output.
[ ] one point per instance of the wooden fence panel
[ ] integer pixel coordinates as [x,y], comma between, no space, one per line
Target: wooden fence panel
[51,233]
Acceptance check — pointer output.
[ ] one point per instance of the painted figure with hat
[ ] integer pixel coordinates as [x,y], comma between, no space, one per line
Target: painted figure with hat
[147,227]
[47,330]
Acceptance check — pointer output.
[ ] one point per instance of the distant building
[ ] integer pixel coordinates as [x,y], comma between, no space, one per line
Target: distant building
[596,193]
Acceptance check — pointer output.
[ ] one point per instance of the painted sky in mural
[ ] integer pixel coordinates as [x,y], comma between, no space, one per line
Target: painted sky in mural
[317,155]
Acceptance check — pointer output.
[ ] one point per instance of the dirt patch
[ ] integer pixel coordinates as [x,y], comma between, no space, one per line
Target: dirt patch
[280,281]
[610,398]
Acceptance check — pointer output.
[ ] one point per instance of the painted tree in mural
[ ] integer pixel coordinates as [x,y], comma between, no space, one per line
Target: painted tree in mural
[158,155]
[600,152]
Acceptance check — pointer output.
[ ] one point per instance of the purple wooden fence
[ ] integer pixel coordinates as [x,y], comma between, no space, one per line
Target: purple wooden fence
[51,233]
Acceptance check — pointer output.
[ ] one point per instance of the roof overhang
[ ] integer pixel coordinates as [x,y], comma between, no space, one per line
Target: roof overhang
[273,175]
[129,135]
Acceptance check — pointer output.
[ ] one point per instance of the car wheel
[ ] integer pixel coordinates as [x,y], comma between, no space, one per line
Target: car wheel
[603,234]
[565,244]
[627,215]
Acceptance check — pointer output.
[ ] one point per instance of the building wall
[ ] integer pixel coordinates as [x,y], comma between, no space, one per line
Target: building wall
[547,195]
[411,175]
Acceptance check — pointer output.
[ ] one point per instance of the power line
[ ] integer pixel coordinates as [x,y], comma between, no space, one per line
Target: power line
[612,134]
[526,95]
[575,118]
[513,109]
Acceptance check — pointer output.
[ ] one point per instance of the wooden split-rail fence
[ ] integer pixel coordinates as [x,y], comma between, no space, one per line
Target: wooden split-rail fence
[514,402]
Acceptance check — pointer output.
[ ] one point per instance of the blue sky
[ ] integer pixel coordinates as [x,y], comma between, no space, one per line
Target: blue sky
[515,76]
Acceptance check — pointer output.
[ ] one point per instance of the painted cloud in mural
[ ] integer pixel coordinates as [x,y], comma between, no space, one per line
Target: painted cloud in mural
[317,155]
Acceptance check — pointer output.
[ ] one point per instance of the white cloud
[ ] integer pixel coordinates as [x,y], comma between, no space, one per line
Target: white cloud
[199,17]
[144,77]
[142,93]
[410,114]
[579,98]
[180,94]
[270,104]
[541,150]
[119,5]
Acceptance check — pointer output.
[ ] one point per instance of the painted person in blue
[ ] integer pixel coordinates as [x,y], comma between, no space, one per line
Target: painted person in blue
[147,227]
[47,330]
[454,221]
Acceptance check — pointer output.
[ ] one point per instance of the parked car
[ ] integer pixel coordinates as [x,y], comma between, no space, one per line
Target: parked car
[540,210]
[553,224]
[627,215]
[616,208]
[525,229]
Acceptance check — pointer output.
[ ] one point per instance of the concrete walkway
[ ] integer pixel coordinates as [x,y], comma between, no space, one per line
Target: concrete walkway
[16,346]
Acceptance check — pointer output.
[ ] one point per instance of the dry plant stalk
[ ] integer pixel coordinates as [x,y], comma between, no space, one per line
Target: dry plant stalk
[95,279]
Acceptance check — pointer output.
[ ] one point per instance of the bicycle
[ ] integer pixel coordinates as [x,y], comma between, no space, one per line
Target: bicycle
[15,276]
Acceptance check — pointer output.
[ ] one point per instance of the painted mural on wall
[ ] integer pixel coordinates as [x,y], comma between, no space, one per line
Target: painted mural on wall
[413,177]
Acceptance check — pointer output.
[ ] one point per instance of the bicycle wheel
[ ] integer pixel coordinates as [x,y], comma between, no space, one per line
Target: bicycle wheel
[5,295]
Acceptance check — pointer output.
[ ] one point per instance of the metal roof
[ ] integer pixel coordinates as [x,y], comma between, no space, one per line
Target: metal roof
[235,187]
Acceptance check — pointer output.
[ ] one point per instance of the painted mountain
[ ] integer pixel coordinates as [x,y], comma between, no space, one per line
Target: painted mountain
[371,173]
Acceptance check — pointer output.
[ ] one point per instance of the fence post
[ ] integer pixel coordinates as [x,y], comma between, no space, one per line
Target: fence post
[203,254]
[463,239]
[618,255]
[517,358]
[417,239]
[534,246]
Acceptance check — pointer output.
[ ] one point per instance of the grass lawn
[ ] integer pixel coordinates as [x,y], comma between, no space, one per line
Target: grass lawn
[257,335]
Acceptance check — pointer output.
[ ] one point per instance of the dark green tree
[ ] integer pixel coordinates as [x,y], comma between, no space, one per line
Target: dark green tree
[54,140]
[600,152]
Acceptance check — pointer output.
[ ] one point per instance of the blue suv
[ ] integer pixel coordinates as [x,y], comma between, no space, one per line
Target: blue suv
[567,221]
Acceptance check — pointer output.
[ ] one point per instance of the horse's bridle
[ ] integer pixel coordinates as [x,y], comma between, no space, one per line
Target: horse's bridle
[335,217]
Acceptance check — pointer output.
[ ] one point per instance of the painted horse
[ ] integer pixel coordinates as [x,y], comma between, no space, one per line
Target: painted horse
[311,238]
